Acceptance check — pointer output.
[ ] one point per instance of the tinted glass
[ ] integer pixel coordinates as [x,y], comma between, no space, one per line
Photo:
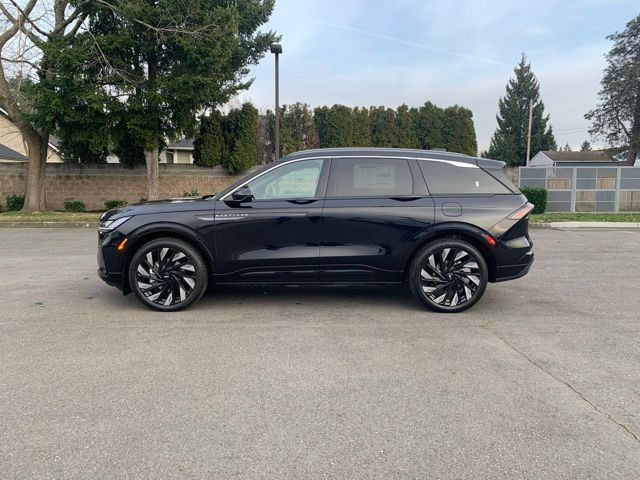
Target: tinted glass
[444,178]
[368,177]
[293,180]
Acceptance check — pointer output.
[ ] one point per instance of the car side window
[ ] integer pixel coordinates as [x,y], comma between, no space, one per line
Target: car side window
[292,180]
[369,177]
[443,178]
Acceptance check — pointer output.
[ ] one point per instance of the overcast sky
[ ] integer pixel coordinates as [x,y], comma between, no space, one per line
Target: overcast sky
[358,52]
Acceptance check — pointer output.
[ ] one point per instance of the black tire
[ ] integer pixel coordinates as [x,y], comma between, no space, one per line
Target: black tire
[168,274]
[443,275]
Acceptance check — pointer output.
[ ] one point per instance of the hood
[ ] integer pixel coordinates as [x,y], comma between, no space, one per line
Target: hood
[158,206]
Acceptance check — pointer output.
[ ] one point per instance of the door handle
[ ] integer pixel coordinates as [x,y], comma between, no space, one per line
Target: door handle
[303,201]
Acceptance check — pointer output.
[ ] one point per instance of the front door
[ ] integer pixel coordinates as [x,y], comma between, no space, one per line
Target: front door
[273,236]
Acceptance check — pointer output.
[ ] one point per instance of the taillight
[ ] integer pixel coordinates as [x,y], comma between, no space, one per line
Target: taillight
[490,239]
[521,212]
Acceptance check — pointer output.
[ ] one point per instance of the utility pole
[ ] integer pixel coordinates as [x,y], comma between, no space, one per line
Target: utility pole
[529,133]
[277,50]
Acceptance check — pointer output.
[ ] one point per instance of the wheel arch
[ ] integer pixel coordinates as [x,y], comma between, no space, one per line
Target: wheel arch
[461,231]
[162,230]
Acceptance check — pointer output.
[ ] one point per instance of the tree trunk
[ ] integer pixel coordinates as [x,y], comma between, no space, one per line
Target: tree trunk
[151,158]
[38,146]
[632,153]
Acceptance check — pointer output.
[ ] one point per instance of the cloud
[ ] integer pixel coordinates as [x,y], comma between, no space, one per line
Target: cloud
[409,51]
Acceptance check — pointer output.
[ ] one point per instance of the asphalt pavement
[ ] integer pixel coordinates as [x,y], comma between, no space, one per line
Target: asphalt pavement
[540,380]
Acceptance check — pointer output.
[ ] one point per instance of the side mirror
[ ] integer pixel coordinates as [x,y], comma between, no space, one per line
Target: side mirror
[242,195]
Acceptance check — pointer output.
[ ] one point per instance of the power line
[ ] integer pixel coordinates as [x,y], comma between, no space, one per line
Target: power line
[572,87]
[575,108]
[570,130]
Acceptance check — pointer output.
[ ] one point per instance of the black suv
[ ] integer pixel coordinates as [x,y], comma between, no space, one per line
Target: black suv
[444,223]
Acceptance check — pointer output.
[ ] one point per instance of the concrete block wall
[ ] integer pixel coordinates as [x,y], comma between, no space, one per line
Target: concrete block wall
[93,184]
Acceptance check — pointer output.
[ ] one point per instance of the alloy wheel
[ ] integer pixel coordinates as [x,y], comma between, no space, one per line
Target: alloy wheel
[450,277]
[166,276]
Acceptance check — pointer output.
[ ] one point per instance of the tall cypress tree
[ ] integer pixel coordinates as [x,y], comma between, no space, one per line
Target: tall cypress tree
[361,127]
[459,133]
[240,130]
[404,124]
[509,142]
[384,131]
[209,143]
[335,126]
[428,124]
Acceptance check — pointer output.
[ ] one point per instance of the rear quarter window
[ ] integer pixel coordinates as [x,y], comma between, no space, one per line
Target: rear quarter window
[446,179]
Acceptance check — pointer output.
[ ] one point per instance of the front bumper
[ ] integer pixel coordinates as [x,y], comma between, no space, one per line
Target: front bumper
[109,259]
[115,280]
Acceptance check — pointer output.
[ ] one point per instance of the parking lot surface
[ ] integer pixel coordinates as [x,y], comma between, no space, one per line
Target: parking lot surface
[541,380]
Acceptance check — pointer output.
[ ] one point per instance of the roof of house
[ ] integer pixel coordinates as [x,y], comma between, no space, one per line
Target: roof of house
[54,142]
[590,156]
[185,143]
[10,154]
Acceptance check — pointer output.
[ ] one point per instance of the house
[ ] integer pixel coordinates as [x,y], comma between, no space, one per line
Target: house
[13,147]
[593,158]
[179,152]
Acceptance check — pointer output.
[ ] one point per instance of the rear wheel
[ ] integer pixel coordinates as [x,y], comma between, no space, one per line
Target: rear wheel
[448,275]
[168,274]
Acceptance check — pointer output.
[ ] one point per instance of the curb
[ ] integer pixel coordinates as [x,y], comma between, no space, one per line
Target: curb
[594,225]
[49,224]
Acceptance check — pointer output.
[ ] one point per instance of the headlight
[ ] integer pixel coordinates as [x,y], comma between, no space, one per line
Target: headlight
[111,225]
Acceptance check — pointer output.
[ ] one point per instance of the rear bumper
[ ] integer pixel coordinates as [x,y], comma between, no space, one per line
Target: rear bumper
[511,272]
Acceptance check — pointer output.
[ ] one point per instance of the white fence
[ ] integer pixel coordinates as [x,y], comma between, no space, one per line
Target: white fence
[586,189]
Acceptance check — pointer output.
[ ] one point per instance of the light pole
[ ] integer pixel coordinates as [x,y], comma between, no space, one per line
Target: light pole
[276,49]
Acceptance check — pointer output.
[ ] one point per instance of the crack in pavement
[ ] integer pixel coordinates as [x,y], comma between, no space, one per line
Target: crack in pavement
[558,379]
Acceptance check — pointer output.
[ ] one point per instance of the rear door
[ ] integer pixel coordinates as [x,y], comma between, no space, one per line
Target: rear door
[374,208]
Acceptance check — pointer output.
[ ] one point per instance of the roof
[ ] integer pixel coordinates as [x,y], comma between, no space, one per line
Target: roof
[54,142]
[391,152]
[185,143]
[10,154]
[590,156]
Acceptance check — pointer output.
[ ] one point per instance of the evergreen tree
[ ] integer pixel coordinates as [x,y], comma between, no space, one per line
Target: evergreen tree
[361,127]
[567,148]
[159,63]
[616,119]
[384,131]
[297,128]
[459,131]
[509,142]
[209,143]
[428,125]
[404,125]
[585,147]
[240,129]
[335,126]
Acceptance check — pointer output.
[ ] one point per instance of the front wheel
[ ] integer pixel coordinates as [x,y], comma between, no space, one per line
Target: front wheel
[448,275]
[168,274]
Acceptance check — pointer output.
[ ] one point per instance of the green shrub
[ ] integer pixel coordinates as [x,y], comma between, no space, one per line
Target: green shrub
[74,206]
[15,202]
[111,204]
[192,193]
[537,196]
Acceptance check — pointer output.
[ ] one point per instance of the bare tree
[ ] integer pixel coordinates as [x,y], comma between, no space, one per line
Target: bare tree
[28,28]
